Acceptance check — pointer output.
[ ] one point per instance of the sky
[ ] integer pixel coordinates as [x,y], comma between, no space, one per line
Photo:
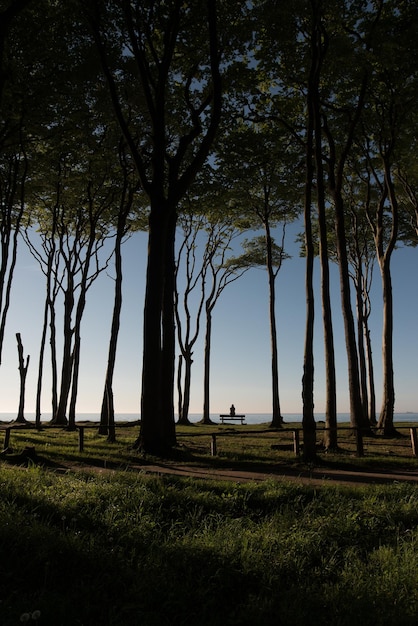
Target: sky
[241,356]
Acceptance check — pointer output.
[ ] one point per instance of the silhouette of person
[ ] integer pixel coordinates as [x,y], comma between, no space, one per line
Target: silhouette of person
[232,410]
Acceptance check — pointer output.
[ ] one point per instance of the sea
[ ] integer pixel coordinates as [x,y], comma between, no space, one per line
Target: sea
[250,418]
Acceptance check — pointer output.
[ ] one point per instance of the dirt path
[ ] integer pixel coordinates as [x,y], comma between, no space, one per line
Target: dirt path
[314,476]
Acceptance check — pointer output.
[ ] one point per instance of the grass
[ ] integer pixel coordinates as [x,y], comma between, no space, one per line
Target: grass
[123,548]
[243,446]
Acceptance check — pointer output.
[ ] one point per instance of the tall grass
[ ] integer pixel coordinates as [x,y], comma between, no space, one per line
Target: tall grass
[124,549]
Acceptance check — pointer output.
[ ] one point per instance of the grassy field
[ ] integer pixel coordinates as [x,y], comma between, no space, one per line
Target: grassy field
[122,548]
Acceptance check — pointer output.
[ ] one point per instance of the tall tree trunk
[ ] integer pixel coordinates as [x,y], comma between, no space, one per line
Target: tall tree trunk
[23,370]
[41,366]
[74,385]
[330,434]
[152,436]
[277,419]
[54,366]
[105,417]
[179,386]
[357,416]
[206,367]
[370,370]
[308,418]
[169,335]
[184,415]
[111,437]
[9,242]
[360,342]
[60,417]
[385,423]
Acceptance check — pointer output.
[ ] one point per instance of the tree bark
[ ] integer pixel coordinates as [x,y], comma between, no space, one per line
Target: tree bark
[385,423]
[319,44]
[357,416]
[60,417]
[308,418]
[153,436]
[360,342]
[106,417]
[277,419]
[23,370]
[206,367]
[169,335]
[370,370]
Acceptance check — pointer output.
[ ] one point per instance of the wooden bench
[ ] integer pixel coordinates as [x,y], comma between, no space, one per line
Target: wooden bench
[227,417]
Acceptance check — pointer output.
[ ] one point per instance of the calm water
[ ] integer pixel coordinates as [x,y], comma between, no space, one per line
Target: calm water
[250,418]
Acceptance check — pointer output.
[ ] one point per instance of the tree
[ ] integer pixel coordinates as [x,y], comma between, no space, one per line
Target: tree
[194,278]
[342,107]
[263,251]
[163,64]
[222,270]
[124,224]
[388,121]
[13,162]
[23,370]
[362,258]
[72,209]
[259,166]
[209,266]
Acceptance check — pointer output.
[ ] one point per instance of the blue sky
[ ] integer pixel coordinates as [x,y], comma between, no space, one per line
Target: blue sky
[240,371]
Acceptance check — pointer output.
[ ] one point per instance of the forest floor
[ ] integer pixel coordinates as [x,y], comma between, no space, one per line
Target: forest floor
[386,461]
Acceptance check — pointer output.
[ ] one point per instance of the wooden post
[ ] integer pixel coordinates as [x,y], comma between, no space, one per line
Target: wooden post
[296,442]
[359,442]
[213,450]
[7,438]
[81,438]
[414,440]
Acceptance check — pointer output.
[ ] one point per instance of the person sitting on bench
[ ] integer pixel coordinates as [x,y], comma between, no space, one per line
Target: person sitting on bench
[232,411]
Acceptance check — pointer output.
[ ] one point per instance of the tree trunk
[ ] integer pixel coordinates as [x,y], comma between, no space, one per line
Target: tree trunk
[153,437]
[184,414]
[360,342]
[357,416]
[60,417]
[111,437]
[330,434]
[385,423]
[12,212]
[277,419]
[74,386]
[169,335]
[206,368]
[179,387]
[23,370]
[308,418]
[41,366]
[54,367]
[370,369]
[105,417]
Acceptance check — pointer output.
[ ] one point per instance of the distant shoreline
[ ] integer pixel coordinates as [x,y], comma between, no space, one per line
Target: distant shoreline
[250,418]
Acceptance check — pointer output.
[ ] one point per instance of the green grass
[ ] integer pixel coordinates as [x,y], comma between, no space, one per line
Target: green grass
[244,446]
[126,549]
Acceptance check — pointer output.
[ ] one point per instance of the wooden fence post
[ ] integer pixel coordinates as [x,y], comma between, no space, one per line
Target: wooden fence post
[81,438]
[7,438]
[213,450]
[359,442]
[296,442]
[414,440]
